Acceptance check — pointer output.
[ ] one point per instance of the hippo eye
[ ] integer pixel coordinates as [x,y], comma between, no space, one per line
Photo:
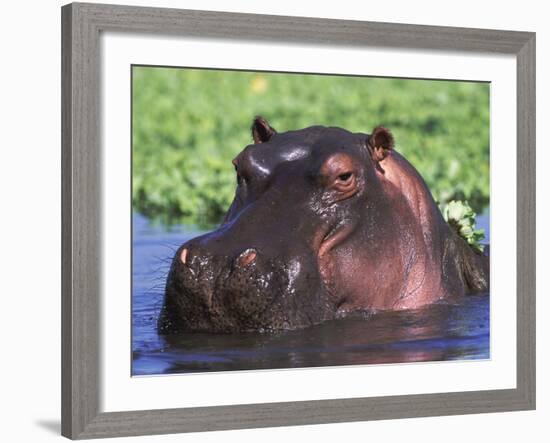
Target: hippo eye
[345,177]
[339,173]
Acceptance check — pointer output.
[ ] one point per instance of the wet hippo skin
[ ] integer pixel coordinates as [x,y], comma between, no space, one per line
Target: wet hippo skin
[325,223]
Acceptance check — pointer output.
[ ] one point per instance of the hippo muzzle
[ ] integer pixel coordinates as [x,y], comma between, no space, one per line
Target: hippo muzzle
[247,290]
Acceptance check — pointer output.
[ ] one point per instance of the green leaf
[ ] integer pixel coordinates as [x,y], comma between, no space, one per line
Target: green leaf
[461,217]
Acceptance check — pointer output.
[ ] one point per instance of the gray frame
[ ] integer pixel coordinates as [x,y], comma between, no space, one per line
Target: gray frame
[81,233]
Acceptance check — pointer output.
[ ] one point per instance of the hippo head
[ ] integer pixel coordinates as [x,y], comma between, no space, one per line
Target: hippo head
[299,195]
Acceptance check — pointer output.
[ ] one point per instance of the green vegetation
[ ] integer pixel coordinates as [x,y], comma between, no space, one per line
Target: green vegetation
[462,217]
[188,124]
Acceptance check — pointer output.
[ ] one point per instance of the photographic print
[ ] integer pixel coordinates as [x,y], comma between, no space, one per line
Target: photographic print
[290,220]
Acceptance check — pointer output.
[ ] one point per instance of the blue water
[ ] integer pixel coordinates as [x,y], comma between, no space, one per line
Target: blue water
[439,332]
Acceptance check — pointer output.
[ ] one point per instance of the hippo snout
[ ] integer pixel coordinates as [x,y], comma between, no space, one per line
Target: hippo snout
[220,292]
[242,289]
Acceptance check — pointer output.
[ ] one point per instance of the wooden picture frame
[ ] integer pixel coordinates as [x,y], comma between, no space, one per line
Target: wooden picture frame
[81,228]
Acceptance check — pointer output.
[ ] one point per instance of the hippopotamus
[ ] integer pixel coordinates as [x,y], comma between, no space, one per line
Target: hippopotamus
[325,224]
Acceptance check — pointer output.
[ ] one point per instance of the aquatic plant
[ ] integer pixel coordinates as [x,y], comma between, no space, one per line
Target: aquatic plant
[461,216]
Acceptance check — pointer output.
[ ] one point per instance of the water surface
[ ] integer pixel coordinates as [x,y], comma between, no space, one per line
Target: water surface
[438,332]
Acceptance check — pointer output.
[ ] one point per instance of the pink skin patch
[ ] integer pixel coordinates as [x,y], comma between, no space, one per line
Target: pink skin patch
[183,256]
[247,257]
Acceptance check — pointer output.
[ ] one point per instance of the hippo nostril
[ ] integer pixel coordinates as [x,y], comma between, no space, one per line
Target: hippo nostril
[246,257]
[183,256]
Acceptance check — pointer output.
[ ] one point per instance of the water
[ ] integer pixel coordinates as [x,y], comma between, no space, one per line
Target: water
[439,332]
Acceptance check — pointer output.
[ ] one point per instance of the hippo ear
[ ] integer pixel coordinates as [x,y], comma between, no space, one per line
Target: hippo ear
[380,143]
[261,130]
